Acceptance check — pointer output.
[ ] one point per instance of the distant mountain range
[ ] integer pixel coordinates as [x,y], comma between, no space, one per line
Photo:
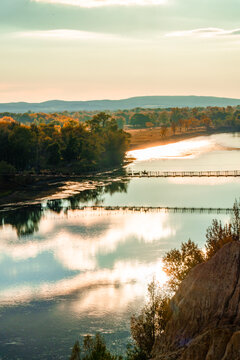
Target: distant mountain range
[124,104]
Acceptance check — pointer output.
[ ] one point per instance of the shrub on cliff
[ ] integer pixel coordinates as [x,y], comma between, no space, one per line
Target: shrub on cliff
[218,235]
[150,323]
[178,263]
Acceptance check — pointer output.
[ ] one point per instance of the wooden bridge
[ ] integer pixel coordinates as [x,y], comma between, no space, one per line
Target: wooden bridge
[102,209]
[222,173]
[145,209]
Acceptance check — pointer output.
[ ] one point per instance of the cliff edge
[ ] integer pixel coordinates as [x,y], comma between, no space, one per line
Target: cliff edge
[205,324]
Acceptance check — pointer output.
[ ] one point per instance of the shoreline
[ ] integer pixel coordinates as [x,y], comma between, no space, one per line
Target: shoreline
[48,188]
[50,184]
[139,143]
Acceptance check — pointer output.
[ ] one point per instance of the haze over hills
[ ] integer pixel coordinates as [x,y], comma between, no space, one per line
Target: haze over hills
[130,103]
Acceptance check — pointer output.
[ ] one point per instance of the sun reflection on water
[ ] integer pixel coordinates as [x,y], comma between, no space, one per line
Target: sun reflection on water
[203,181]
[124,272]
[70,248]
[79,253]
[181,149]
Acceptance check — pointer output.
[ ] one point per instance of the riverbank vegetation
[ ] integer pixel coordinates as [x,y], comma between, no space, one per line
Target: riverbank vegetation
[89,140]
[83,142]
[153,318]
[176,118]
[171,125]
[183,119]
[73,147]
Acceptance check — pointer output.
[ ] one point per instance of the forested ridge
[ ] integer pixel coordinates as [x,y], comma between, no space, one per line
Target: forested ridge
[120,104]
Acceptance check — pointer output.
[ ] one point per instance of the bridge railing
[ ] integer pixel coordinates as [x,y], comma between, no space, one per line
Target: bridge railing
[207,173]
[144,209]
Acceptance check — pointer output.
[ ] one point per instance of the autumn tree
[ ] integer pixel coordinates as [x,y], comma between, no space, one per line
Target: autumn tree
[206,121]
[163,131]
[218,234]
[178,263]
[174,127]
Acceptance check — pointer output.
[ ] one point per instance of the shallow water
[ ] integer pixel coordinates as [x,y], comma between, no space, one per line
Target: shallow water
[215,152]
[66,272]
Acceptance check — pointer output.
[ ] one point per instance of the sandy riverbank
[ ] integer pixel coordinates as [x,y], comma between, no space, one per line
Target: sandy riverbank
[144,138]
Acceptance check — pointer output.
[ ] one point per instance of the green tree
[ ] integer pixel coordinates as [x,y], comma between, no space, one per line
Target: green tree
[71,149]
[163,118]
[22,147]
[6,170]
[235,221]
[151,321]
[4,142]
[53,154]
[115,145]
[140,120]
[98,122]
[76,351]
[94,348]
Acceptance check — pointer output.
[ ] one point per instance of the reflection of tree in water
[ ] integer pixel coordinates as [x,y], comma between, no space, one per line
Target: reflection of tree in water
[85,197]
[55,205]
[97,195]
[26,219]
[117,186]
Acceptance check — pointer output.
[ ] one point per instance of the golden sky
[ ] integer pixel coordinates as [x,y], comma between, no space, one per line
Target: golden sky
[98,49]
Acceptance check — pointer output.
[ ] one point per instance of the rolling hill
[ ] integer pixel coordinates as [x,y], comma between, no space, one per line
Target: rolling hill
[130,103]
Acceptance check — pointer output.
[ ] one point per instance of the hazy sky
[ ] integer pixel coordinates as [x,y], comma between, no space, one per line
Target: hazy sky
[95,49]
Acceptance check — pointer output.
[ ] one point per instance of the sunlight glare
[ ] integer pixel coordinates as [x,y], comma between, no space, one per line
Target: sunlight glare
[181,149]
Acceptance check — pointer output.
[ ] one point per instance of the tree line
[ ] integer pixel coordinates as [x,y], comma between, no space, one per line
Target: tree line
[72,147]
[176,118]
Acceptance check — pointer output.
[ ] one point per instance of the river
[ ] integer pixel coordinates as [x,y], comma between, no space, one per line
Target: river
[67,272]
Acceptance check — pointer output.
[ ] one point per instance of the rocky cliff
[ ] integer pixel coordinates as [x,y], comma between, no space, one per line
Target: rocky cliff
[205,324]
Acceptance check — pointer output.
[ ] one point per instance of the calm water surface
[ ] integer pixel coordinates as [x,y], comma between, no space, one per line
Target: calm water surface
[67,272]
